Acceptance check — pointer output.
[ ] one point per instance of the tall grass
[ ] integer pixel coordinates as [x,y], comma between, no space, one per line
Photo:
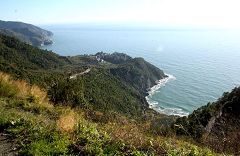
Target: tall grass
[34,96]
[7,88]
[67,122]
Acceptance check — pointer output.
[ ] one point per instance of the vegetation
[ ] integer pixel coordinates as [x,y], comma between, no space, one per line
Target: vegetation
[98,90]
[216,124]
[26,32]
[139,74]
[40,128]
[106,88]
[29,63]
[135,72]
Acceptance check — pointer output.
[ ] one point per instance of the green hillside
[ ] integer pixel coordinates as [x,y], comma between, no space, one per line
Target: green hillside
[37,127]
[100,89]
[139,74]
[216,125]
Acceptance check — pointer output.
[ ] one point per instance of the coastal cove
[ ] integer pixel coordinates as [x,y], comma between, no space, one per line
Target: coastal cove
[203,63]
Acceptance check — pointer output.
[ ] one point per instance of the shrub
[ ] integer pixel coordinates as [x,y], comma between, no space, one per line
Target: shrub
[53,143]
[67,122]
[26,96]
[7,89]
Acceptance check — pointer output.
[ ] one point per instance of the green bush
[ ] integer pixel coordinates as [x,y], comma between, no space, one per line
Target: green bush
[90,141]
[52,143]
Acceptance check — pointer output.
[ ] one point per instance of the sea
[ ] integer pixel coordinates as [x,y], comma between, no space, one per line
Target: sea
[202,64]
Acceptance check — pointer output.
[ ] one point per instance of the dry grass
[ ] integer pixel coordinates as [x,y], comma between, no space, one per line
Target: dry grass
[67,121]
[7,89]
[129,133]
[22,90]
[22,86]
[4,77]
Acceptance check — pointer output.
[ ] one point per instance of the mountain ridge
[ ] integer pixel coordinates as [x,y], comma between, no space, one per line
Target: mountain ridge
[26,32]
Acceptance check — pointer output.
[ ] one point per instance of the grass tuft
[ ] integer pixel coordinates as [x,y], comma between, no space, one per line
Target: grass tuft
[67,122]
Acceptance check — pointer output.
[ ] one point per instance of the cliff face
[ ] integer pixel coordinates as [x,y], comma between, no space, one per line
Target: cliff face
[26,32]
[216,124]
[224,131]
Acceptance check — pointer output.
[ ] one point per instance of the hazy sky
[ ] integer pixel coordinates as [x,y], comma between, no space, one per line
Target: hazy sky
[212,13]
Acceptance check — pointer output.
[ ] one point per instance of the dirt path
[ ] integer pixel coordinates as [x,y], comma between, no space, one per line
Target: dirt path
[82,73]
[7,148]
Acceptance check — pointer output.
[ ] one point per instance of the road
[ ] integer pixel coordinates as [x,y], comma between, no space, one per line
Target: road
[78,74]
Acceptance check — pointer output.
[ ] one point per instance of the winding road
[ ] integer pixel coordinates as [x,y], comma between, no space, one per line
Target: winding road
[78,74]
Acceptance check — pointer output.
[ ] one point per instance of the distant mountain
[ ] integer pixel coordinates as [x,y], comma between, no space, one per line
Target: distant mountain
[26,32]
[216,124]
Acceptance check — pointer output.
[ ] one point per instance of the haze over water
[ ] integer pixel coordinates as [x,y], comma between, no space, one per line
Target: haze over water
[204,63]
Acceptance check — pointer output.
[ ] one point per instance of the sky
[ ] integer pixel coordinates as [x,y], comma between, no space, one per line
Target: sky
[178,13]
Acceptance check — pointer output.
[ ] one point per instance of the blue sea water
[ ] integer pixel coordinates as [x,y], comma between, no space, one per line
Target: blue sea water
[202,63]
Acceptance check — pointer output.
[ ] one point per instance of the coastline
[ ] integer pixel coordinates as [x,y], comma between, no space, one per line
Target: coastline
[155,105]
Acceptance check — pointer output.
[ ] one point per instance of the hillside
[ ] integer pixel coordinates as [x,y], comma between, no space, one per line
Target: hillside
[37,127]
[216,124]
[27,62]
[134,71]
[26,32]
[100,89]
[138,73]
